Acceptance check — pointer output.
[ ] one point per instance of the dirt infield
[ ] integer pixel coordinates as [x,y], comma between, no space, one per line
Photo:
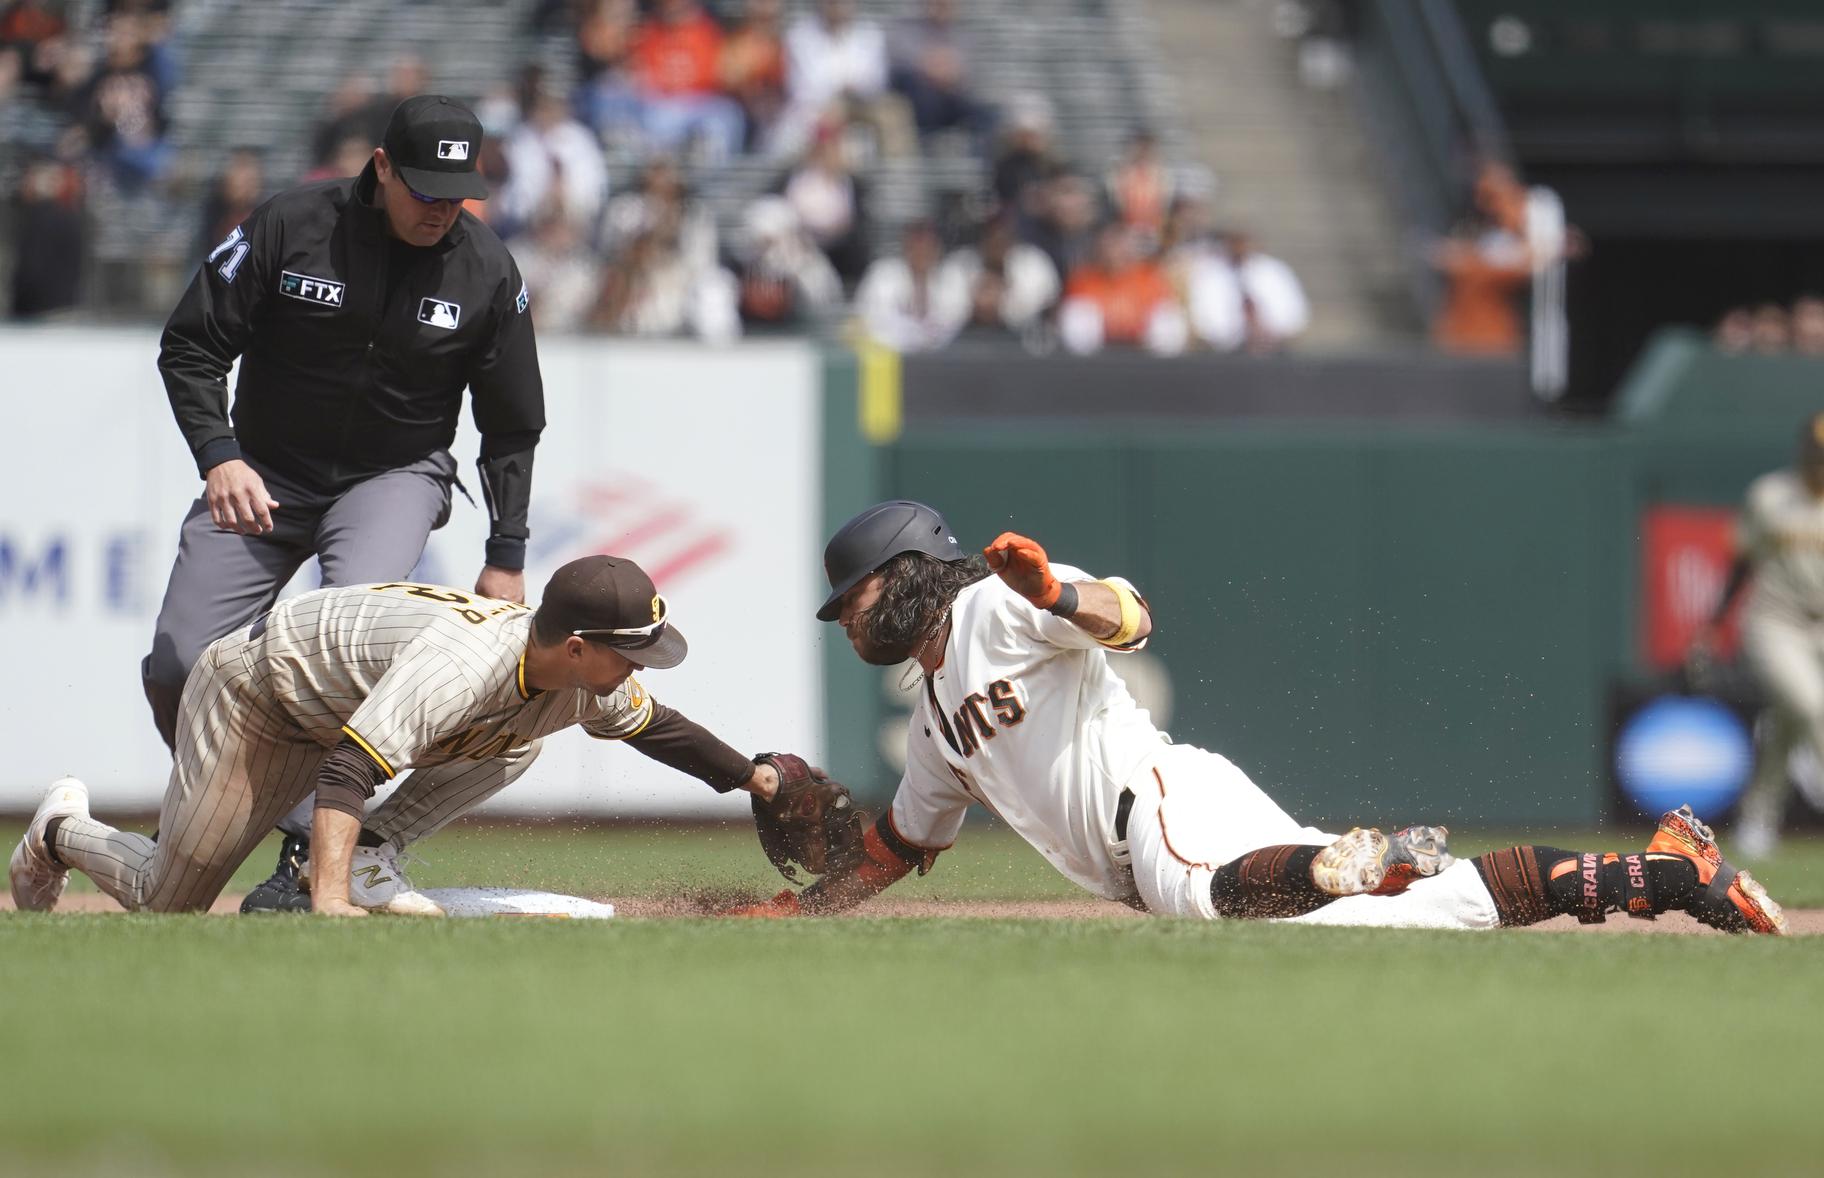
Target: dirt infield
[1804,921]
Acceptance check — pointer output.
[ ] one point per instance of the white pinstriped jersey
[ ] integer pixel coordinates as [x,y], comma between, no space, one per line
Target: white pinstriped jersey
[1025,716]
[423,675]
[1782,531]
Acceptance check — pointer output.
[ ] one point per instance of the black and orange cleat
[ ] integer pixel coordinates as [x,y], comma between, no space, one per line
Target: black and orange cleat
[1725,898]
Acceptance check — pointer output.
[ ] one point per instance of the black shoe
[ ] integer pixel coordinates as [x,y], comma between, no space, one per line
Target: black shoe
[281,893]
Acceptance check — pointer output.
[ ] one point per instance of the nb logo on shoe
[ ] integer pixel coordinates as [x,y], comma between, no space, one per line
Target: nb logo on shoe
[370,875]
[310,290]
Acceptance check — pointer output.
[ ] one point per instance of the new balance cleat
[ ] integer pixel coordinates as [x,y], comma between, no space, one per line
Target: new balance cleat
[1727,899]
[37,879]
[1367,862]
[377,882]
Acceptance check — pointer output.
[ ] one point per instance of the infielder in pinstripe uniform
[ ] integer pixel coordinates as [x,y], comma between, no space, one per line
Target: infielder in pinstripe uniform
[341,689]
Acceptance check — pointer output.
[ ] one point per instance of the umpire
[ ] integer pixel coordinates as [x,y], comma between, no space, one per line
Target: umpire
[359,309]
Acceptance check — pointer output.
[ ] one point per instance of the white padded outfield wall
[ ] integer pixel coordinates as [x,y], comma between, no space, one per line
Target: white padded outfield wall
[704,465]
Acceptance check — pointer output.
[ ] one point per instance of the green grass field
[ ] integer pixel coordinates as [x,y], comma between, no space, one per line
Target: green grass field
[194,1045]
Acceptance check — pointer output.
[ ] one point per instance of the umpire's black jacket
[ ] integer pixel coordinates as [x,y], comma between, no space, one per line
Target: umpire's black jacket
[355,349]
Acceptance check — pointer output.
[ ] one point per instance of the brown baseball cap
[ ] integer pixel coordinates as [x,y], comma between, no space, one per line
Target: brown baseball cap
[611,600]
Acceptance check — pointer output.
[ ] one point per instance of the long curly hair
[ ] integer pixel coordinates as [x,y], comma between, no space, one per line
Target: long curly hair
[917,589]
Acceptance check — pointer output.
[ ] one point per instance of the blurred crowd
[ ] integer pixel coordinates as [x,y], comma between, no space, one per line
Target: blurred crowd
[106,89]
[1768,329]
[1052,253]
[589,182]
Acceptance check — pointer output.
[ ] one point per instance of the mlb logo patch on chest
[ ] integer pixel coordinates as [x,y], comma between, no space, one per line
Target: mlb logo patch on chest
[438,313]
[310,290]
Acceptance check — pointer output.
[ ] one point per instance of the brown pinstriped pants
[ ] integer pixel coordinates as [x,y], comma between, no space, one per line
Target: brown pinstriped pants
[241,763]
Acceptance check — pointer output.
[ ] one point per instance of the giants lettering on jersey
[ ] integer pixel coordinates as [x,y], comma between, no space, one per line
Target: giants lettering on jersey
[972,723]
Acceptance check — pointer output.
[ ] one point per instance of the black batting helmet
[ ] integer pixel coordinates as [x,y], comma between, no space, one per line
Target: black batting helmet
[876,536]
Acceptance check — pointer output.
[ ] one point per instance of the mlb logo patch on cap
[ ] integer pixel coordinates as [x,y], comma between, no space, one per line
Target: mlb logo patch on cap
[452,149]
[438,313]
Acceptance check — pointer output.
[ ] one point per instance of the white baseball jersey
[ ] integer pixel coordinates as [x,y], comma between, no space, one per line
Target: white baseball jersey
[1025,716]
[1782,531]
[422,675]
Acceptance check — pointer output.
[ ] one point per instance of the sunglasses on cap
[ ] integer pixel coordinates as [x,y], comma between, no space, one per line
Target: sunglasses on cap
[632,637]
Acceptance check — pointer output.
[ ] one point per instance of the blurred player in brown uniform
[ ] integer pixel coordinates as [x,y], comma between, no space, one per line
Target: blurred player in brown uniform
[1780,542]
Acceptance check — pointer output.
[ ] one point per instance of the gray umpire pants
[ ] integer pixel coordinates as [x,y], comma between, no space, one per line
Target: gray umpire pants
[373,531]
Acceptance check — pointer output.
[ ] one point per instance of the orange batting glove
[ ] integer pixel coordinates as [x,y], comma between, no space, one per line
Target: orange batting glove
[1022,564]
[784,904]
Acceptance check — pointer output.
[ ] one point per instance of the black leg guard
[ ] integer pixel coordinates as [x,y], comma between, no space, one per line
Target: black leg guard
[1590,885]
[1515,877]
[1531,884]
[1273,882]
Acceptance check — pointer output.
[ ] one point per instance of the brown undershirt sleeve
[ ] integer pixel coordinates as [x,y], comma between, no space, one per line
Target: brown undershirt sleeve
[672,739]
[347,778]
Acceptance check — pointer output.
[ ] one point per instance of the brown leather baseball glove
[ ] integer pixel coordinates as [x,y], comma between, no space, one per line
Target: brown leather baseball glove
[811,824]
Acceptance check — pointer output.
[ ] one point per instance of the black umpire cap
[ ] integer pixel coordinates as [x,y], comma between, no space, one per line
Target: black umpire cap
[876,536]
[434,144]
